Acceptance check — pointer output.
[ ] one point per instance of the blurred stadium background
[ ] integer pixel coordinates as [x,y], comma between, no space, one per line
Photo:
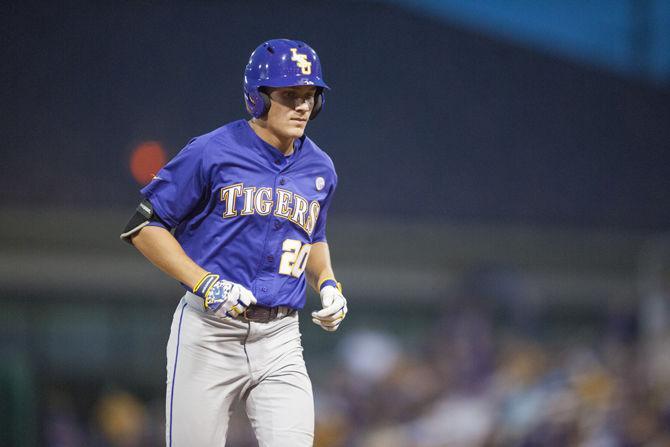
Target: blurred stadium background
[501,225]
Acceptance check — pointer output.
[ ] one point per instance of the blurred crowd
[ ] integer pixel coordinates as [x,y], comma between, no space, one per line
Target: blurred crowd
[485,373]
[470,386]
[500,368]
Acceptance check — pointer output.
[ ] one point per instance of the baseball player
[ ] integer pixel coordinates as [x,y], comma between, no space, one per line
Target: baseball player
[238,217]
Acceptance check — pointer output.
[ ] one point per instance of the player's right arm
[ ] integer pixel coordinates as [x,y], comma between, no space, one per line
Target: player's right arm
[148,233]
[220,296]
[169,198]
[164,251]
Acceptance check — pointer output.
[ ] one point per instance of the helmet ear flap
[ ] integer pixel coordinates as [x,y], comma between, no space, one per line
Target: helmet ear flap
[266,102]
[257,102]
[318,104]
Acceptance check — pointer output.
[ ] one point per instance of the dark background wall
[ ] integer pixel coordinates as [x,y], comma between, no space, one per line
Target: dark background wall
[424,119]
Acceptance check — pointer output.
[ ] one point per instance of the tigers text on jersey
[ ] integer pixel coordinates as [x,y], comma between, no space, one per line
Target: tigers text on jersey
[241,209]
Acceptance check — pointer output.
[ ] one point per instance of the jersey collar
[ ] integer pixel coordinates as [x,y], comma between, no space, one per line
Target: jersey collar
[273,155]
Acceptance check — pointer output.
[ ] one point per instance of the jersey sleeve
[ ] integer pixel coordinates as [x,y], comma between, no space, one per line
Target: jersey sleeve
[179,185]
[320,227]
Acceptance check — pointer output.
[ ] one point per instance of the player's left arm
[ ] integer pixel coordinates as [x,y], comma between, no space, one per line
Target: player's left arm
[321,278]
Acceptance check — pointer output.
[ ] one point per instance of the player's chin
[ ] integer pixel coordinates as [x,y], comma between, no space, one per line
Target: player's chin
[296,129]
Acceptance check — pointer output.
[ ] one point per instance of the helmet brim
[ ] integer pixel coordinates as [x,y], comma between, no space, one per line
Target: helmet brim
[291,82]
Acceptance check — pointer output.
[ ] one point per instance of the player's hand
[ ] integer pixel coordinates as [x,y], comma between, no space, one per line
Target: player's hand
[334,309]
[223,298]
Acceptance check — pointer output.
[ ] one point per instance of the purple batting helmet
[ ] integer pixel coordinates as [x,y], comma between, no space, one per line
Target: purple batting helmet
[281,63]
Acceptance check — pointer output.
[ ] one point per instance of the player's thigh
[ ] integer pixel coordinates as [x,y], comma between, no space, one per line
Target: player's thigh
[201,385]
[281,406]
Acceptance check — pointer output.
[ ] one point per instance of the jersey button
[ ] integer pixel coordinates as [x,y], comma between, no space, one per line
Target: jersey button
[277,161]
[282,181]
[264,289]
[270,258]
[277,225]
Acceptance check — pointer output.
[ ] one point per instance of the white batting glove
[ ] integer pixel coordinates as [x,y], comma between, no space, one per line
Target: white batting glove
[223,298]
[334,309]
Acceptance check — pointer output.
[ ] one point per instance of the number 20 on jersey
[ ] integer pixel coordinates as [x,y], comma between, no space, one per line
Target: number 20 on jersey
[294,257]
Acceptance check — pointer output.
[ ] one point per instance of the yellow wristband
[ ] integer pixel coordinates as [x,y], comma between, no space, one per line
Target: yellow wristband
[330,282]
[206,282]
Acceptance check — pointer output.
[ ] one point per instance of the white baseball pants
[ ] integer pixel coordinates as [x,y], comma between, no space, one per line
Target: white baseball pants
[213,364]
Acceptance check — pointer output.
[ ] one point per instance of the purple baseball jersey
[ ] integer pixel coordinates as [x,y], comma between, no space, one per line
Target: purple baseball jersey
[242,209]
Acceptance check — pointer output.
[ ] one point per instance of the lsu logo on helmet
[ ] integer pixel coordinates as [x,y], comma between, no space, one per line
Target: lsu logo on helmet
[302,62]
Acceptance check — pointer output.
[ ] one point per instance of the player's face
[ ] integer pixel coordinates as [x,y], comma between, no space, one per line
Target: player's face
[290,109]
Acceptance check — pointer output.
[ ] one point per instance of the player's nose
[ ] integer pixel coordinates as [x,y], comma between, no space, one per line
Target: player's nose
[303,104]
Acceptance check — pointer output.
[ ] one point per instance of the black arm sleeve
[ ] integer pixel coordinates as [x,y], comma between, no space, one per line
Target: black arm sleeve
[140,219]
